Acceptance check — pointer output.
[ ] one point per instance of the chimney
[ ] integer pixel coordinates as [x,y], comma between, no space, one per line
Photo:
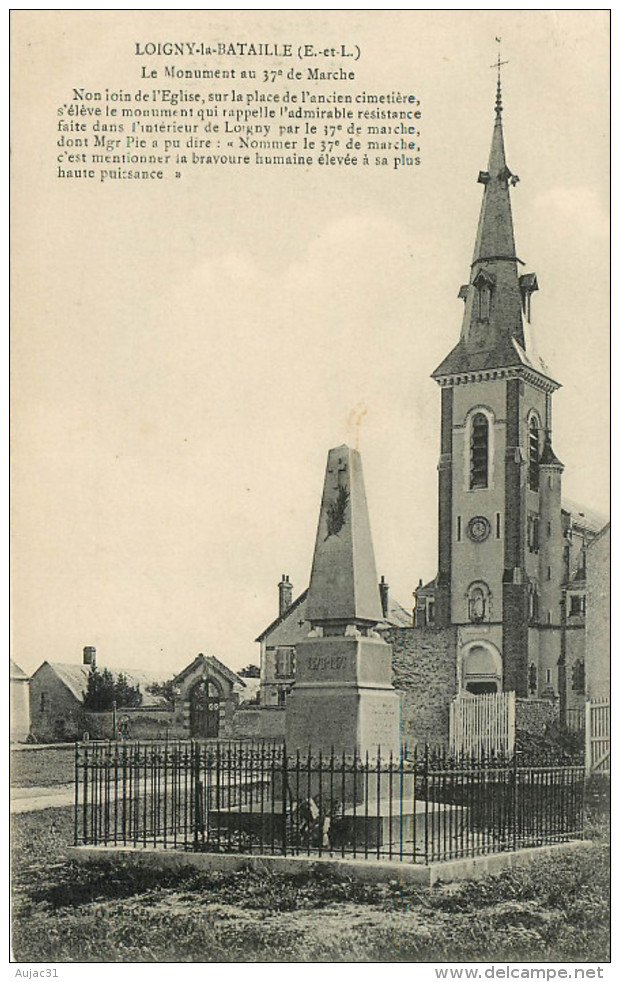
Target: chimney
[90,656]
[384,591]
[285,594]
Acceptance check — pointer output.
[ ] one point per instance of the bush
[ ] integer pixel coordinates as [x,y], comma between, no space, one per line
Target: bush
[557,745]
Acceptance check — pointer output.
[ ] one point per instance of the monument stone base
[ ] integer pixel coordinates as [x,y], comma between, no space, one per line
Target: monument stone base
[342,699]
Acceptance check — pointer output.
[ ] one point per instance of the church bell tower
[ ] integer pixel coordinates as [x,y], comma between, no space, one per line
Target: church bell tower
[499,480]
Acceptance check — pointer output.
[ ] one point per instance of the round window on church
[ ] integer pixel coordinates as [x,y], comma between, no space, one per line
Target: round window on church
[478,528]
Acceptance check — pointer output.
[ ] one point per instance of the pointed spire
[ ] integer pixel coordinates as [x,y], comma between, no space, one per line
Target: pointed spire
[495,238]
[493,334]
[498,97]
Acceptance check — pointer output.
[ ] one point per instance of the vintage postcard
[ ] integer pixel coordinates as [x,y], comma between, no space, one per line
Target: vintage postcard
[311,518]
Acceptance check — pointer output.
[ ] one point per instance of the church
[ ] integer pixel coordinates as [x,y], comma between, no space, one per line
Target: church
[506,611]
[512,552]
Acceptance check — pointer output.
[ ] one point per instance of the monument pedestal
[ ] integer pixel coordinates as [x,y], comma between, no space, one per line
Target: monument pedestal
[343,699]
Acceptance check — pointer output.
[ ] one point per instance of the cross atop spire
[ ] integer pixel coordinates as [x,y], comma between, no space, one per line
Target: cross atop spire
[498,64]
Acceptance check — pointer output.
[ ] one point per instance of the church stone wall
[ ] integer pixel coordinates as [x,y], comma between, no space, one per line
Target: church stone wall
[598,617]
[575,653]
[424,674]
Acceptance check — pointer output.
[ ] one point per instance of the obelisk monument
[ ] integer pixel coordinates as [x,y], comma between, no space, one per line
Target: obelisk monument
[343,696]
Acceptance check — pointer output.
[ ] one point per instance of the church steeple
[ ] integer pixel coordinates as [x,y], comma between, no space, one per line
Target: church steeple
[493,333]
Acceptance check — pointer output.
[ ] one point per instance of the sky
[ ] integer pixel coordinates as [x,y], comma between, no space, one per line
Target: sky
[186,353]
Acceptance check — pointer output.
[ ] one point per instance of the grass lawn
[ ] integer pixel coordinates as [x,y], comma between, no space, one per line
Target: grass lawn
[42,768]
[557,910]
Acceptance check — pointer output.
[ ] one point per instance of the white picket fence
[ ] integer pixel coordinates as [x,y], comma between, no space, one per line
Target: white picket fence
[598,735]
[483,724]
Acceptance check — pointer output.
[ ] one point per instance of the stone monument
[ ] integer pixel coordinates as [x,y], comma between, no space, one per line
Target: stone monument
[343,696]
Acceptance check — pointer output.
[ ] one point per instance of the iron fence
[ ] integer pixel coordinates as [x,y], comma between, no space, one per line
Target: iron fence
[419,806]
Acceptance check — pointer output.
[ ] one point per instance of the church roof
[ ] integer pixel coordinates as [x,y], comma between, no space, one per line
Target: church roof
[217,664]
[17,672]
[587,518]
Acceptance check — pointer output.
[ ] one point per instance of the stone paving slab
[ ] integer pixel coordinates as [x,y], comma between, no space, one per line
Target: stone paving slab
[368,870]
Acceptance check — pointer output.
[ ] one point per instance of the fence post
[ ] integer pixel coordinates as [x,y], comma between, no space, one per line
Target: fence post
[426,804]
[195,759]
[588,737]
[515,801]
[75,802]
[284,798]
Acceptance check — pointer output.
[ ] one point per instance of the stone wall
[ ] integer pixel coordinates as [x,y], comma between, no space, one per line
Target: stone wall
[424,674]
[575,665]
[598,616]
[20,710]
[142,724]
[260,723]
[246,724]
[272,724]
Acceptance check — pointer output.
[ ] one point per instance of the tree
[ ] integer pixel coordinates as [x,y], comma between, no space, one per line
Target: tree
[163,689]
[103,690]
[249,672]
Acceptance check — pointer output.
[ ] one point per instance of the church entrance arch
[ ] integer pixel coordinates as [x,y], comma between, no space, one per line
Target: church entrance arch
[204,709]
[481,668]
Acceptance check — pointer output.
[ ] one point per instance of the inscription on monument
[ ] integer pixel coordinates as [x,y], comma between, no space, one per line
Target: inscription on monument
[321,663]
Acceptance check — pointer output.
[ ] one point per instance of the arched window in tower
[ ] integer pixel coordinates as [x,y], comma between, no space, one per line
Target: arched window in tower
[534,453]
[534,603]
[484,301]
[478,602]
[479,452]
[484,283]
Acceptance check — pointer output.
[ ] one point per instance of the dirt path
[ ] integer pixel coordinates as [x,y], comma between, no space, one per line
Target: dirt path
[36,799]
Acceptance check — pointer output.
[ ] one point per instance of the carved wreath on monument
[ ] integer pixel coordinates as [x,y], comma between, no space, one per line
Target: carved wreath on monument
[336,512]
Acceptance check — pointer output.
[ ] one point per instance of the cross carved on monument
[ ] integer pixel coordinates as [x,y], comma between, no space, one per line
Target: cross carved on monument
[341,471]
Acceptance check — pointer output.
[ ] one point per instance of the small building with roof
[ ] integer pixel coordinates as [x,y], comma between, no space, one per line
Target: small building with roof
[20,703]
[57,706]
[199,702]
[206,695]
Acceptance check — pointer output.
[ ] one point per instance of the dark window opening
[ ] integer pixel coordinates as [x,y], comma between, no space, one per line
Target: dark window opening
[579,677]
[285,662]
[458,528]
[479,447]
[484,302]
[481,688]
[577,605]
[532,679]
[498,526]
[534,455]
[566,561]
